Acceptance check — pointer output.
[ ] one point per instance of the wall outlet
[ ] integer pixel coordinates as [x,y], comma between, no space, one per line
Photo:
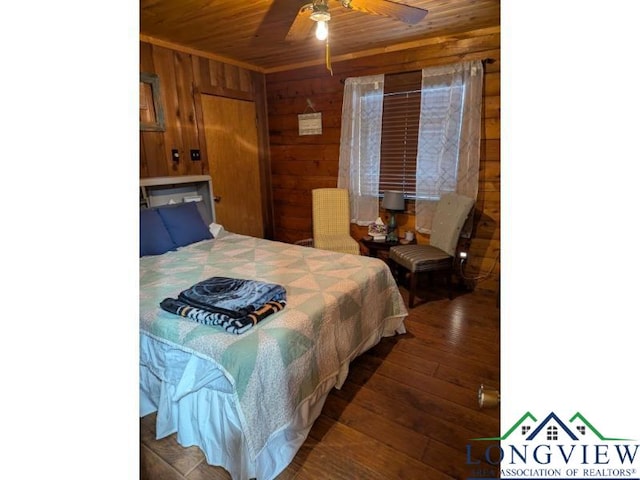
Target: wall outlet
[195,155]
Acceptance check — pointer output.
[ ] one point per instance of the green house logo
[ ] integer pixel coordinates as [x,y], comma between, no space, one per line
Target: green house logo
[552,426]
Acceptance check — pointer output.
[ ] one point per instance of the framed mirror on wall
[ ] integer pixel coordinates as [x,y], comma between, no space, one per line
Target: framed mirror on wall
[151,113]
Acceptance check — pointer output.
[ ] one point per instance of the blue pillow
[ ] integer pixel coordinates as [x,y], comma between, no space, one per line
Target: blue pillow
[184,223]
[154,237]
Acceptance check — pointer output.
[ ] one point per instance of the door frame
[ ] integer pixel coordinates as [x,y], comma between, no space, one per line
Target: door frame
[262,127]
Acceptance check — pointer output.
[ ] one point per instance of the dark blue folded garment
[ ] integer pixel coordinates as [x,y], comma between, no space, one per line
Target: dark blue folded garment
[232,303]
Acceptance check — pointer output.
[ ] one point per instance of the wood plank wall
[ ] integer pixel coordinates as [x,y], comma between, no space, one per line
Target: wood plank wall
[183,78]
[302,163]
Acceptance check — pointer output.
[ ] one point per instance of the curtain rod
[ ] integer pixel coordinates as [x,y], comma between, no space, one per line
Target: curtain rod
[485,61]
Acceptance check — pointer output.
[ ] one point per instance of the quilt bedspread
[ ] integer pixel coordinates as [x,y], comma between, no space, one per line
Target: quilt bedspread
[336,304]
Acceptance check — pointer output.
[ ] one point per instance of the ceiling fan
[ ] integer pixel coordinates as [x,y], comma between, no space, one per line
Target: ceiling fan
[318,12]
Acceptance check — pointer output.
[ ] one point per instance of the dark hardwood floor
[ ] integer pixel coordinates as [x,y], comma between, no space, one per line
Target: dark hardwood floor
[407,410]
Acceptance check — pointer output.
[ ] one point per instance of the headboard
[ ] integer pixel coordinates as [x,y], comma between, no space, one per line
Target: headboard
[158,191]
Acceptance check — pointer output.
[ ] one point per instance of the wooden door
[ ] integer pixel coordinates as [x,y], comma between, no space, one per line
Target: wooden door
[232,150]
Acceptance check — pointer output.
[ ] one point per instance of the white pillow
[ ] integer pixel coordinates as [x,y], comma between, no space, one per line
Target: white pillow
[216,229]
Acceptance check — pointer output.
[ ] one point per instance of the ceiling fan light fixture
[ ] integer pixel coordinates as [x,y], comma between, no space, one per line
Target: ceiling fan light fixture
[320,14]
[320,11]
[322,30]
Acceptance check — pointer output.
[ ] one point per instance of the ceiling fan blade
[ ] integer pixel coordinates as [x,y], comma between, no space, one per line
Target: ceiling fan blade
[301,26]
[276,21]
[386,8]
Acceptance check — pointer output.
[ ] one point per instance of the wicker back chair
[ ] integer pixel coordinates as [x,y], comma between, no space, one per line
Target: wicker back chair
[331,221]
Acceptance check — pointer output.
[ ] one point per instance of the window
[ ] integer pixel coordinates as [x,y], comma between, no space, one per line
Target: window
[552,433]
[417,132]
[399,143]
[525,429]
[401,129]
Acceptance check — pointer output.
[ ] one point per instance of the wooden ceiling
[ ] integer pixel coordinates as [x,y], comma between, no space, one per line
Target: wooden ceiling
[252,34]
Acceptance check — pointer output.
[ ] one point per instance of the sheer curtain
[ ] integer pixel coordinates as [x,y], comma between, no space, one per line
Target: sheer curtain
[359,168]
[449,139]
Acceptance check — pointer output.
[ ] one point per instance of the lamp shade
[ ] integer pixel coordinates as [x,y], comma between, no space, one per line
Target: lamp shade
[393,200]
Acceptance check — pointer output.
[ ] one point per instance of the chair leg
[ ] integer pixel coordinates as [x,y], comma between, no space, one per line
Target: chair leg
[395,271]
[412,287]
[449,274]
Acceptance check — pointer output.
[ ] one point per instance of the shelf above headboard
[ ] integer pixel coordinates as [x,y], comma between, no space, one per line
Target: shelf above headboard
[157,191]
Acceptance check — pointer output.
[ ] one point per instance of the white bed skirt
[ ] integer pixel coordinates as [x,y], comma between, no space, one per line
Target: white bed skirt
[194,398]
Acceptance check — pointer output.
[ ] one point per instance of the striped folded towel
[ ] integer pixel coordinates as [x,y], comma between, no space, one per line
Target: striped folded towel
[234,304]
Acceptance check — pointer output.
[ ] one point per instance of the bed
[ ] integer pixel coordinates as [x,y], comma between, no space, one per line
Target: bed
[248,401]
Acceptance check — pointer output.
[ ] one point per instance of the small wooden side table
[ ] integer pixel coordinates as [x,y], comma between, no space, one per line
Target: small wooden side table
[380,249]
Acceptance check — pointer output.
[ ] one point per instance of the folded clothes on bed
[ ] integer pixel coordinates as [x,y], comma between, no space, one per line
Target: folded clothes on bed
[231,303]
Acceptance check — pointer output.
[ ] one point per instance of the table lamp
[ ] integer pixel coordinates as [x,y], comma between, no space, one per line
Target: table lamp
[393,201]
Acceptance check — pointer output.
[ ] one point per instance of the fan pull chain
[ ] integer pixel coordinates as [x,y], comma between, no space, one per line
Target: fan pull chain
[328,57]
